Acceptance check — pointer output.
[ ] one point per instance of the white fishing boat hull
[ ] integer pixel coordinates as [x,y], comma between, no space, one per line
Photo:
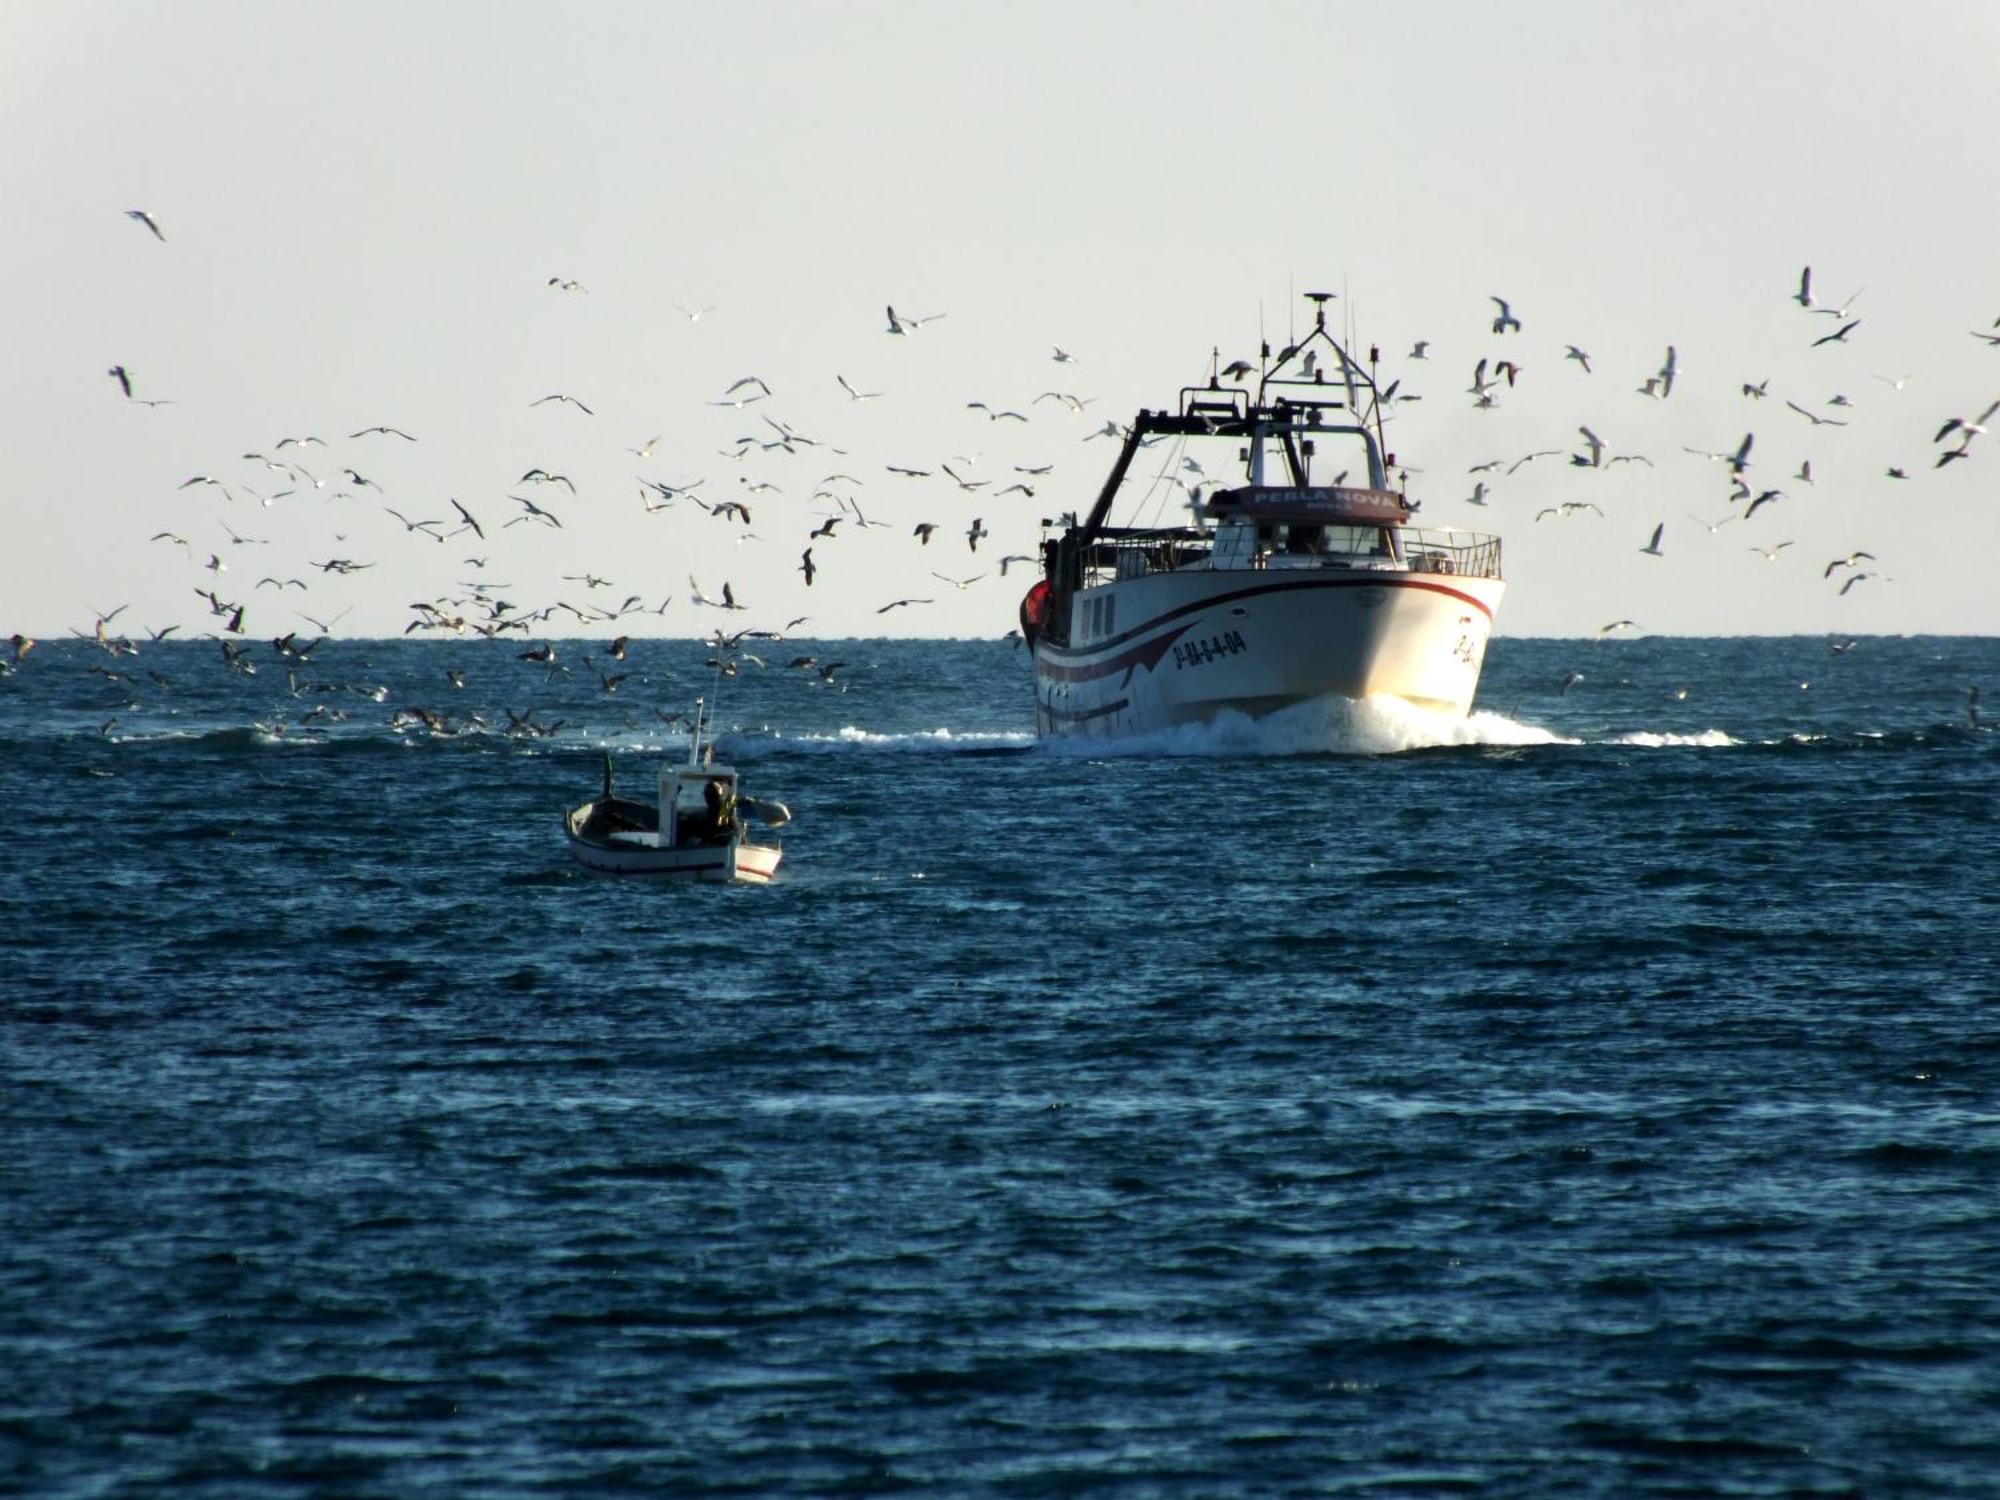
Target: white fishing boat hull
[1189,645]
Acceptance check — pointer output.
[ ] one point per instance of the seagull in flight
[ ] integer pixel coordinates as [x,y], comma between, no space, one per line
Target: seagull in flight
[1505,319]
[1003,414]
[1770,554]
[532,512]
[901,603]
[730,397]
[852,393]
[1579,356]
[428,528]
[1839,335]
[1670,369]
[559,396]
[727,601]
[1849,561]
[1814,417]
[141,216]
[1737,461]
[1803,296]
[1652,548]
[908,324]
[1971,428]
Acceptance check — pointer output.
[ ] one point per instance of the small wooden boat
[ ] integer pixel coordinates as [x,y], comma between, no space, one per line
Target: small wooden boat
[695,830]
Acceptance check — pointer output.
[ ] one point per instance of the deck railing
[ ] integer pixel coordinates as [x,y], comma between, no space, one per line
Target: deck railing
[1441,550]
[1134,554]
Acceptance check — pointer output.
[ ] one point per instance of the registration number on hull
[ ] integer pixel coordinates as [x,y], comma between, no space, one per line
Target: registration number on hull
[1203,650]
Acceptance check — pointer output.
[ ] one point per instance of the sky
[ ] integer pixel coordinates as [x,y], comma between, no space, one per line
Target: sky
[370,211]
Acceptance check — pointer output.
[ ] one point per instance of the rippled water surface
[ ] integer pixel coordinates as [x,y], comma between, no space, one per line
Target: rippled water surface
[1600,1096]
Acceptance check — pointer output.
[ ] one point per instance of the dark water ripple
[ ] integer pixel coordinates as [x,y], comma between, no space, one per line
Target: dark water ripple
[1609,1111]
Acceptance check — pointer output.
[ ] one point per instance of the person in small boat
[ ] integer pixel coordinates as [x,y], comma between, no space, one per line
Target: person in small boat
[721,807]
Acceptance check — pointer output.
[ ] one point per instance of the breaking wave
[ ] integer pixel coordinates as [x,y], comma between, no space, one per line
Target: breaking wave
[1372,726]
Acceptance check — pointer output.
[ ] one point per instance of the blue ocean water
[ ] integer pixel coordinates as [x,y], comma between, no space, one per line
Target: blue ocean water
[1600,1096]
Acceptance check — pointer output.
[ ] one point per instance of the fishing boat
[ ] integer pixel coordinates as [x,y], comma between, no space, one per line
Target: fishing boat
[696,829]
[1277,589]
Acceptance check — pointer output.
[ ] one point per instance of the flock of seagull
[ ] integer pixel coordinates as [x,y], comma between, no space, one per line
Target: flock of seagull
[252,585]
[306,467]
[1494,378]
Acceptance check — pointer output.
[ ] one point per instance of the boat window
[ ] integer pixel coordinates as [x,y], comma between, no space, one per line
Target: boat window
[1110,613]
[1343,540]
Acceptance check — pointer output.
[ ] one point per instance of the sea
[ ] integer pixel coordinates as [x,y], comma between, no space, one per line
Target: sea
[1595,1096]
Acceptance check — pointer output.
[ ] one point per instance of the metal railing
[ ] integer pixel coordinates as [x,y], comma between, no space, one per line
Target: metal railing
[1471,553]
[1420,549]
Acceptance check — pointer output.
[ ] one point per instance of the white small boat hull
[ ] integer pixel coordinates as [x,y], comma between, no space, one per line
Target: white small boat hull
[637,853]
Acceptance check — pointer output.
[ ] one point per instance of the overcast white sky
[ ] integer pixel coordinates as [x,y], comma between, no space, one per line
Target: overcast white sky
[364,203]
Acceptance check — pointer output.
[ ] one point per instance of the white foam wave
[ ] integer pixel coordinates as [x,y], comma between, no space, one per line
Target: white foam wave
[1335,726]
[1707,739]
[918,741]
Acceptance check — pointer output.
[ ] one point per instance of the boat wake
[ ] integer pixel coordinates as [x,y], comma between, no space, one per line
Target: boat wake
[1383,725]
[916,742]
[1380,725]
[1707,739]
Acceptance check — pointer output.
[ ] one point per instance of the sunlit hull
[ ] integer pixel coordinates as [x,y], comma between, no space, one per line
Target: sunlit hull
[1252,641]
